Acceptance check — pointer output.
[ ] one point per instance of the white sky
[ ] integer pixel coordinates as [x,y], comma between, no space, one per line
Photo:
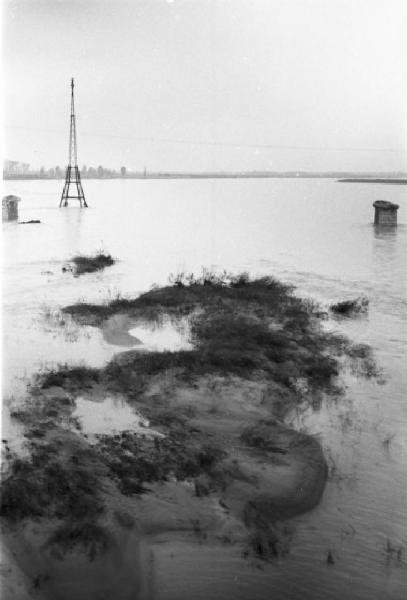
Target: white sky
[179,85]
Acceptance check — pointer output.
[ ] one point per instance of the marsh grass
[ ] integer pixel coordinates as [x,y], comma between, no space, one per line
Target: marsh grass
[231,344]
[57,482]
[44,486]
[55,321]
[68,377]
[188,293]
[40,413]
[238,326]
[135,461]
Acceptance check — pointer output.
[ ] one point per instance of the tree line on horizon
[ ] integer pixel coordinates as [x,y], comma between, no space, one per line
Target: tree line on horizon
[85,171]
[100,172]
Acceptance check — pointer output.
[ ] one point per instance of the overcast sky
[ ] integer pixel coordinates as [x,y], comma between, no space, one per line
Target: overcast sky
[208,84]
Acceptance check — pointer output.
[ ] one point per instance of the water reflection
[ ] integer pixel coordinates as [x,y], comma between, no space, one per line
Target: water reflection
[383,232]
[165,336]
[388,248]
[73,217]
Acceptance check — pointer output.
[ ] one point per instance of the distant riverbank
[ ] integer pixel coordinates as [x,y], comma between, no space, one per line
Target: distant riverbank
[400,178]
[393,180]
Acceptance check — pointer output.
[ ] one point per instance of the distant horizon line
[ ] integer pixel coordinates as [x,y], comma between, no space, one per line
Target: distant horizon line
[164,174]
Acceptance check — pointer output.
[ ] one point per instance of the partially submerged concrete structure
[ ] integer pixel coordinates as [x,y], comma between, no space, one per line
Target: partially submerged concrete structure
[385,213]
[10,208]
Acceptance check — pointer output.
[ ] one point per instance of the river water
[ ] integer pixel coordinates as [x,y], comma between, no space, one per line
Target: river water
[314,233]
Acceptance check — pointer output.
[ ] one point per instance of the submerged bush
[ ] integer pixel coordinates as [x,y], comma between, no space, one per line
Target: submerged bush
[89,264]
[349,307]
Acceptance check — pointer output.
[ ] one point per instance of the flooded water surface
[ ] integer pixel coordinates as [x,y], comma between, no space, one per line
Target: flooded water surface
[107,416]
[316,234]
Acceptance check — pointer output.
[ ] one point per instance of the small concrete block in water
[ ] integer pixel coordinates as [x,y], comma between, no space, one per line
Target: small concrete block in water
[10,208]
[385,213]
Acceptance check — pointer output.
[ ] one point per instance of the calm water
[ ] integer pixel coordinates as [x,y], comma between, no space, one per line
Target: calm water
[316,234]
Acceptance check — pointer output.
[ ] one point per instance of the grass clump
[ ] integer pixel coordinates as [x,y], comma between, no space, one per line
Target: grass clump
[44,487]
[69,377]
[350,307]
[89,264]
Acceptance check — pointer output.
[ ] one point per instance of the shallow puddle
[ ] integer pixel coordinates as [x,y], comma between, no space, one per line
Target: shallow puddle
[110,415]
[115,331]
[122,330]
[162,337]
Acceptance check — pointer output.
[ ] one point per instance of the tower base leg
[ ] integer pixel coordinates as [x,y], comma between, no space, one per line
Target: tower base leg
[73,178]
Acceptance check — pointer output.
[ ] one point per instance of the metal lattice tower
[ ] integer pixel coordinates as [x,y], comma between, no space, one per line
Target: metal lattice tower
[73,176]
